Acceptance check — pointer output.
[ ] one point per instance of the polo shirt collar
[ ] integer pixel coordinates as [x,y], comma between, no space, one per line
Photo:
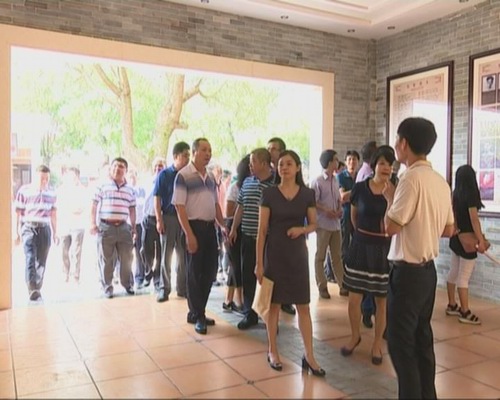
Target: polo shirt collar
[420,163]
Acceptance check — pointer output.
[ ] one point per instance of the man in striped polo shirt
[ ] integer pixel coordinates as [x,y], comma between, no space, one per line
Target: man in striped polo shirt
[36,222]
[247,213]
[196,203]
[117,204]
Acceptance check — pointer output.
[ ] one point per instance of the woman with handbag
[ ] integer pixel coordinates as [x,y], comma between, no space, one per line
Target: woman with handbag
[282,254]
[465,244]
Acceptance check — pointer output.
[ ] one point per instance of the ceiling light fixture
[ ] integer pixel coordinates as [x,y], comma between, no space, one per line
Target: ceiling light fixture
[284,17]
[205,1]
[351,30]
[391,27]
[463,1]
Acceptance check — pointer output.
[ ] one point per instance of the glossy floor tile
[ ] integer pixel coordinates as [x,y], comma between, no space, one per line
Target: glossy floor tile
[134,347]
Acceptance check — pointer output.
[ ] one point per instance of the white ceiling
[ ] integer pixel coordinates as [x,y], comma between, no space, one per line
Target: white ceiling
[368,18]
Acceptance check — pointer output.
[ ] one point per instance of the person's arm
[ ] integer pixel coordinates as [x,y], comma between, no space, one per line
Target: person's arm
[132,216]
[476,226]
[236,224]
[219,217]
[159,217]
[53,225]
[230,208]
[93,216]
[449,231]
[264,213]
[19,215]
[191,242]
[345,195]
[354,216]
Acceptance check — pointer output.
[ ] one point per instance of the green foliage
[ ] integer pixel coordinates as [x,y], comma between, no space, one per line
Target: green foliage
[235,115]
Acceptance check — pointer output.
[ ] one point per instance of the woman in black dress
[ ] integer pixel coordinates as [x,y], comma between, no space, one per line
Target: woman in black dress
[282,254]
[367,269]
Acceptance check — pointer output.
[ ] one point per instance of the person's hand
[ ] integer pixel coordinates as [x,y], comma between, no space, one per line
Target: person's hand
[339,213]
[259,272]
[388,192]
[191,244]
[295,232]
[17,240]
[55,239]
[233,235]
[93,229]
[133,231]
[160,226]
[482,246]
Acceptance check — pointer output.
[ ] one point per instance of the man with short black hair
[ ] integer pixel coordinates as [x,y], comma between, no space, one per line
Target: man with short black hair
[329,208]
[195,199]
[36,224]
[169,228]
[419,212]
[116,201]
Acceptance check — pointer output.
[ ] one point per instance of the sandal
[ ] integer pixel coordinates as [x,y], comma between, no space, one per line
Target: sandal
[453,310]
[469,318]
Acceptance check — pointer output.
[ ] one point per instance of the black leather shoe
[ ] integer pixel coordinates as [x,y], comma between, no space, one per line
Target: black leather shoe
[35,295]
[108,294]
[367,321]
[201,326]
[130,291]
[288,308]
[161,296]
[316,372]
[247,323]
[192,320]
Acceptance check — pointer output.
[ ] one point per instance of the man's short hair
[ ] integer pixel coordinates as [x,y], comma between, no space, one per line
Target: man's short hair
[278,140]
[419,133]
[43,168]
[368,150]
[158,160]
[75,170]
[120,160]
[196,144]
[262,155]
[327,157]
[352,153]
[179,148]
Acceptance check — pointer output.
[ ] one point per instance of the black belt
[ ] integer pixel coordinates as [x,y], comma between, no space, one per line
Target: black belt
[37,224]
[401,263]
[113,222]
[201,222]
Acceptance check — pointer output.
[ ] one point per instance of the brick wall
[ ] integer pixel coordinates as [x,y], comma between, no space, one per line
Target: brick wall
[174,26]
[452,38]
[361,67]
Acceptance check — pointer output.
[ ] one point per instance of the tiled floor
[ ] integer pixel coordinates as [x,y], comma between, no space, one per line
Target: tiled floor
[133,347]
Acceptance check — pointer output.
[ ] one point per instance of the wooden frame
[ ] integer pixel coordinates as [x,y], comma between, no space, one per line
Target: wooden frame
[484,127]
[428,93]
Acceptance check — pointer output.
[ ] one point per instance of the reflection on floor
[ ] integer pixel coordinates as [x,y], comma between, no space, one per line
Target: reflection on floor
[133,347]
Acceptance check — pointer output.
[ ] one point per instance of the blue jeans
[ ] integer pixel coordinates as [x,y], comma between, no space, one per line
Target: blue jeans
[36,245]
[368,304]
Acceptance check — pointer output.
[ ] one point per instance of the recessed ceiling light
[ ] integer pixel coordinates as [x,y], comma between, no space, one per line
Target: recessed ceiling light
[284,17]
[391,27]
[351,30]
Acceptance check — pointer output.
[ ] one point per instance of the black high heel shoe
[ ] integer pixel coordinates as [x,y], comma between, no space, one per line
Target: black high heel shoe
[315,372]
[346,351]
[277,366]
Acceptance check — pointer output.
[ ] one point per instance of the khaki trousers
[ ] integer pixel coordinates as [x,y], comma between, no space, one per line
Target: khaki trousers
[328,239]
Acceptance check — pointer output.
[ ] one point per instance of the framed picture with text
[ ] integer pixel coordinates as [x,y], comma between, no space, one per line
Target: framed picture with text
[427,93]
[484,127]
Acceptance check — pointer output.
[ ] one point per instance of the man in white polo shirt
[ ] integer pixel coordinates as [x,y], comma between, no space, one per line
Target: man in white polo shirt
[419,212]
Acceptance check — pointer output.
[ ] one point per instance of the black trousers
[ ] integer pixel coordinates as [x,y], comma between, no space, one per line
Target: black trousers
[347,231]
[201,267]
[140,270]
[410,301]
[151,247]
[234,277]
[249,280]
[36,245]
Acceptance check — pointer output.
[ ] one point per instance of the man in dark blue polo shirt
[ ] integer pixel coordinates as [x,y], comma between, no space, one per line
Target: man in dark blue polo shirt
[168,226]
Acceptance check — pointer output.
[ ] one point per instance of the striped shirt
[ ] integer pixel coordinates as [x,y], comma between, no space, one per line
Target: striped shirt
[115,200]
[35,205]
[196,192]
[249,198]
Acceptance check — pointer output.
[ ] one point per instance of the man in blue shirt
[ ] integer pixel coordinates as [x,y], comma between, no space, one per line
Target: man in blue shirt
[167,225]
